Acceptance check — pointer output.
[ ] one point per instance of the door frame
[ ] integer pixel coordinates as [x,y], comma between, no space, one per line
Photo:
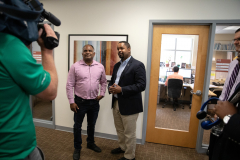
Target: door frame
[201,148]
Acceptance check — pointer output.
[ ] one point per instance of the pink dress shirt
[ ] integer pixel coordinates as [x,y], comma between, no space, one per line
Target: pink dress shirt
[174,75]
[85,80]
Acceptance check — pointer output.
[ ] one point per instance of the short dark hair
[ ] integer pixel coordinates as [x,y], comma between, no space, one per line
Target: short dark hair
[175,69]
[125,43]
[88,45]
[237,30]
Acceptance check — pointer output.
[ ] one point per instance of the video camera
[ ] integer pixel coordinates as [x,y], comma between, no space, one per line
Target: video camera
[22,19]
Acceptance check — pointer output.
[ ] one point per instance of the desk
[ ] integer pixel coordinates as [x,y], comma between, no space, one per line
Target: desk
[210,93]
[213,86]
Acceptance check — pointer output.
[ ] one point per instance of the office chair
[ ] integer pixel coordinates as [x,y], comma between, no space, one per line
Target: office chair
[174,90]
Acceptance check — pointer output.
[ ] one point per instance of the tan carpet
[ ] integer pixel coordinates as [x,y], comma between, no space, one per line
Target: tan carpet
[58,145]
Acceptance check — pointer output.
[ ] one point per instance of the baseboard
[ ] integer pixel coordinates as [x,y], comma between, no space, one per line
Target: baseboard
[97,134]
[43,123]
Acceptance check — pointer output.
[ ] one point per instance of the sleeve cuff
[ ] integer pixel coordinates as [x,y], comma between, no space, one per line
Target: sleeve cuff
[102,94]
[71,101]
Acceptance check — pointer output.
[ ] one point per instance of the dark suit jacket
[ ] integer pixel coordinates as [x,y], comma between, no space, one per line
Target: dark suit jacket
[133,82]
[227,145]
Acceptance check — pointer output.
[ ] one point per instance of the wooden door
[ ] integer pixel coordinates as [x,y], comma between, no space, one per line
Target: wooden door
[170,136]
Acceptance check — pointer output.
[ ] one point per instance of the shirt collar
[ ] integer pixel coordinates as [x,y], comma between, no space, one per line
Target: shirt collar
[126,61]
[83,63]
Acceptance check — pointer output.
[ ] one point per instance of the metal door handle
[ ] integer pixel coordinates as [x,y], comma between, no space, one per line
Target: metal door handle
[198,93]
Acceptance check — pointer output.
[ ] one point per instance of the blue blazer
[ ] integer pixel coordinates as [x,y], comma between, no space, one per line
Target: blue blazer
[133,82]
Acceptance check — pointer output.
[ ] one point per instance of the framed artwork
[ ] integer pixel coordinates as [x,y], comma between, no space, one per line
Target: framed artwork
[183,65]
[173,64]
[162,64]
[105,48]
[188,66]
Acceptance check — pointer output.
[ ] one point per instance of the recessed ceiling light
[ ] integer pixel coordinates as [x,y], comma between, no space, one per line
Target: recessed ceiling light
[231,28]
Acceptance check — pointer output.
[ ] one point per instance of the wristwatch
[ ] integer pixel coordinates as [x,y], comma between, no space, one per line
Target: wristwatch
[226,118]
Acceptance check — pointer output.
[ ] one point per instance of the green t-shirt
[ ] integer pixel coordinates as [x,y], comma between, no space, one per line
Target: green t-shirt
[20,76]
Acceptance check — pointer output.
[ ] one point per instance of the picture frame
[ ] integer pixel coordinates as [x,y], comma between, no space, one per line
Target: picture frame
[183,65]
[173,64]
[162,64]
[188,66]
[105,47]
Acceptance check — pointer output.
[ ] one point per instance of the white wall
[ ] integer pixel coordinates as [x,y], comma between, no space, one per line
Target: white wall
[121,17]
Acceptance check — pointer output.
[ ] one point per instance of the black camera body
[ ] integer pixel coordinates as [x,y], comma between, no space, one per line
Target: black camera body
[49,42]
[21,18]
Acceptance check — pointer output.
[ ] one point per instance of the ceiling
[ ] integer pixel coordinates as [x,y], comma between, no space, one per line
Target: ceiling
[219,30]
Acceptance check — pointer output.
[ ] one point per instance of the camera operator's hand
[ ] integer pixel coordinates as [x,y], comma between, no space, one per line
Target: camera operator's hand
[49,32]
[224,108]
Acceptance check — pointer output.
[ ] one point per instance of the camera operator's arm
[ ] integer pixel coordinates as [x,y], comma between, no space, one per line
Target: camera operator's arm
[50,92]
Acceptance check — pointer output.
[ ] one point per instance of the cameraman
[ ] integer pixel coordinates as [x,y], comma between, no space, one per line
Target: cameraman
[21,76]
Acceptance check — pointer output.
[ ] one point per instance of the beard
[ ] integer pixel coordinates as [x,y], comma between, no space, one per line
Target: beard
[121,55]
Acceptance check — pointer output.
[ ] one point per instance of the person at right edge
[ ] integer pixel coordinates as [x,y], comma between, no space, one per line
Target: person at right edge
[127,82]
[227,145]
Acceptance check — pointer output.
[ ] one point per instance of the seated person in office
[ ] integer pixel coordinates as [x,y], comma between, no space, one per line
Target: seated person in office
[225,107]
[174,75]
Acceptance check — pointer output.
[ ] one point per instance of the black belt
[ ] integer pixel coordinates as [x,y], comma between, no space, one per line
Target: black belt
[80,98]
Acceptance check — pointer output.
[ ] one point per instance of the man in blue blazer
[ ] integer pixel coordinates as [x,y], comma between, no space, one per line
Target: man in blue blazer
[127,82]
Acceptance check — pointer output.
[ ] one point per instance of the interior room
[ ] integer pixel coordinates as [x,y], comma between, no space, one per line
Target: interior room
[54,126]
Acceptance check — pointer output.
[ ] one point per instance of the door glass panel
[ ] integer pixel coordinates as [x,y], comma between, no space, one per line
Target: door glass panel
[168,42]
[184,43]
[41,109]
[166,58]
[172,54]
[183,57]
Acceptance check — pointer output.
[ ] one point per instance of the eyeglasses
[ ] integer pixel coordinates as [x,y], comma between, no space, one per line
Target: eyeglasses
[237,39]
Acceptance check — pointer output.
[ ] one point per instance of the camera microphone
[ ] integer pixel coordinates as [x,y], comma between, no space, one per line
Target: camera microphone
[51,18]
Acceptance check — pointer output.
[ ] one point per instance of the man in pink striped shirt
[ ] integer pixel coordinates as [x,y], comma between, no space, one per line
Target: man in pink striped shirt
[85,76]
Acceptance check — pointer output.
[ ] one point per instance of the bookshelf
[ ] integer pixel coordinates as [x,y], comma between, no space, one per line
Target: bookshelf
[224,46]
[225,50]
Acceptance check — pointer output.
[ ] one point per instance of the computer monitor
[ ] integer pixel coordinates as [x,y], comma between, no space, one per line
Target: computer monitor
[186,73]
[169,73]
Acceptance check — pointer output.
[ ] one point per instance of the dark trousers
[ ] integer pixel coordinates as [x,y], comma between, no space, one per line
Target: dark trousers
[91,108]
[36,154]
[212,142]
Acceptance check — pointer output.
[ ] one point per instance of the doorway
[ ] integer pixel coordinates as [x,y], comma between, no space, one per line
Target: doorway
[176,137]
[207,68]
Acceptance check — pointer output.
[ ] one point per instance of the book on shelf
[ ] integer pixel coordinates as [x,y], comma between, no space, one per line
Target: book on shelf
[230,46]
